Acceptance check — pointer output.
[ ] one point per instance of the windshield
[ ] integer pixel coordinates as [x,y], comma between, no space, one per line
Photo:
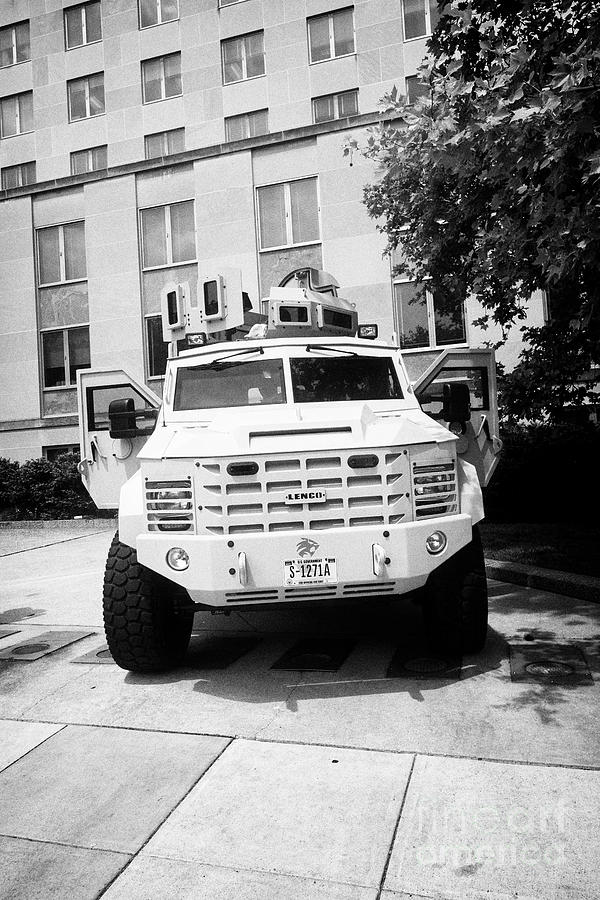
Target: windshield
[237,383]
[344,378]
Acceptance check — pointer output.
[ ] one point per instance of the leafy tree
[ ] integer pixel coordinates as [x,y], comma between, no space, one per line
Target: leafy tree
[491,184]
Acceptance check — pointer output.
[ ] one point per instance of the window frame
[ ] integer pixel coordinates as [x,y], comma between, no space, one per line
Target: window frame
[428,30]
[81,7]
[163,96]
[164,135]
[242,37]
[431,323]
[61,255]
[15,97]
[414,79]
[89,151]
[65,329]
[246,116]
[159,20]
[335,96]
[329,16]
[13,27]
[169,264]
[288,214]
[89,114]
[19,167]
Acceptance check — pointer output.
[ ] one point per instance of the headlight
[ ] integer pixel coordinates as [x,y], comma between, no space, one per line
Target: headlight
[178,559]
[436,542]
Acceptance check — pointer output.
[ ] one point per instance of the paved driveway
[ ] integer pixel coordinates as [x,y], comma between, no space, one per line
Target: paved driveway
[229,778]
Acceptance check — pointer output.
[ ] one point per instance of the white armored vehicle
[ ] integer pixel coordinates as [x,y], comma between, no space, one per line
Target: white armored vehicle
[294,464]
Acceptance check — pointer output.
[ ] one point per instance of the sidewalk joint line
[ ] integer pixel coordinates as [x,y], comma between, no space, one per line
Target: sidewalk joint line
[395,832]
[243,737]
[78,537]
[163,820]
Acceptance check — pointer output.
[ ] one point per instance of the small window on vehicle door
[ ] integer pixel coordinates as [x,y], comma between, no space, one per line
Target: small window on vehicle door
[475,378]
[99,399]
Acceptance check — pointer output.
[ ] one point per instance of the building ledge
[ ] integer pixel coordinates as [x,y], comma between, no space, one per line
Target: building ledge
[190,156]
[33,424]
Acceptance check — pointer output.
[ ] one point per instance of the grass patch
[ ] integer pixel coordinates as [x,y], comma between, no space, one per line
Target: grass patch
[552,545]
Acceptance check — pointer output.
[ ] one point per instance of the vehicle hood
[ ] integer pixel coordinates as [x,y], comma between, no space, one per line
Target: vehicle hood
[294,430]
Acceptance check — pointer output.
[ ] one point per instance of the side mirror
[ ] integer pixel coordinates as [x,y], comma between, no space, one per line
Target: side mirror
[122,416]
[457,403]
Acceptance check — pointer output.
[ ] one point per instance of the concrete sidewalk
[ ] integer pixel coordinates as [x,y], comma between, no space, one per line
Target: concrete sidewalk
[231,779]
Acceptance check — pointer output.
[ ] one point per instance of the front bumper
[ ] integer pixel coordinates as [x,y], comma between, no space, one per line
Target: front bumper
[249,569]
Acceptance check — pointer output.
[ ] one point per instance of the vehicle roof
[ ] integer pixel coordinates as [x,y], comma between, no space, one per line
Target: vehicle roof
[272,343]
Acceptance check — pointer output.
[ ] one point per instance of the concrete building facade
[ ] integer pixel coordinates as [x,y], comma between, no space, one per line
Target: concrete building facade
[142,139]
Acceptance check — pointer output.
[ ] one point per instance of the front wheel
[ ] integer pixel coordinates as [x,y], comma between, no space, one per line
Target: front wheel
[147,626]
[456,601]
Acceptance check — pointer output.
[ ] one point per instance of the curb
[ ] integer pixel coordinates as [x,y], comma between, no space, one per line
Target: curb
[583,587]
[75,524]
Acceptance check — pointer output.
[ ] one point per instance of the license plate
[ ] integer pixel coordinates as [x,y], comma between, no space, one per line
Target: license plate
[313,571]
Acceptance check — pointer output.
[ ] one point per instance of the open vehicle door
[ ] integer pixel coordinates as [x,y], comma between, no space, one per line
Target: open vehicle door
[107,462]
[476,369]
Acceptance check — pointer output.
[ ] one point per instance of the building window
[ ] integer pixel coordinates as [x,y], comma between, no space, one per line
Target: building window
[63,352]
[14,44]
[247,125]
[16,114]
[52,453]
[83,24]
[86,97]
[427,321]
[89,160]
[168,234]
[416,88]
[288,213]
[243,57]
[335,106]
[164,143]
[155,12]
[157,348]
[420,18]
[61,253]
[17,176]
[331,35]
[161,77]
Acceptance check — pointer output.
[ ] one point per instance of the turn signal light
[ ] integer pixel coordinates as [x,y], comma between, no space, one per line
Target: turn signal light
[242,468]
[367,461]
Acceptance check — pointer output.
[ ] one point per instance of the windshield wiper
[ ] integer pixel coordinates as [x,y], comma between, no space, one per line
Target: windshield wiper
[217,363]
[312,347]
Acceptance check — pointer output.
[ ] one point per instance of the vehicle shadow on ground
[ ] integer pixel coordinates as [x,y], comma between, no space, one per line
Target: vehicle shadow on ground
[251,679]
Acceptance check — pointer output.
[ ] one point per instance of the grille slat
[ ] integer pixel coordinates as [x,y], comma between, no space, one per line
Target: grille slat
[257,502]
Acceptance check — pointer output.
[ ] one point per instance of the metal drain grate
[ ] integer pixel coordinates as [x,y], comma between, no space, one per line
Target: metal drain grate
[549,664]
[420,663]
[315,655]
[44,643]
[5,632]
[99,655]
[218,652]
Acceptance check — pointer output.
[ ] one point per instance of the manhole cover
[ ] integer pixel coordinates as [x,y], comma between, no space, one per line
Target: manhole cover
[549,668]
[416,662]
[549,664]
[315,655]
[425,665]
[26,649]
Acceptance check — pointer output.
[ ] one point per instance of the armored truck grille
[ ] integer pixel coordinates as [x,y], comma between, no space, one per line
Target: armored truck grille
[369,487]
[434,488]
[169,505]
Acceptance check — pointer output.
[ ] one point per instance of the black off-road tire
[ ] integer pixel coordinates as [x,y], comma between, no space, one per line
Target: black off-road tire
[147,626]
[455,603]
